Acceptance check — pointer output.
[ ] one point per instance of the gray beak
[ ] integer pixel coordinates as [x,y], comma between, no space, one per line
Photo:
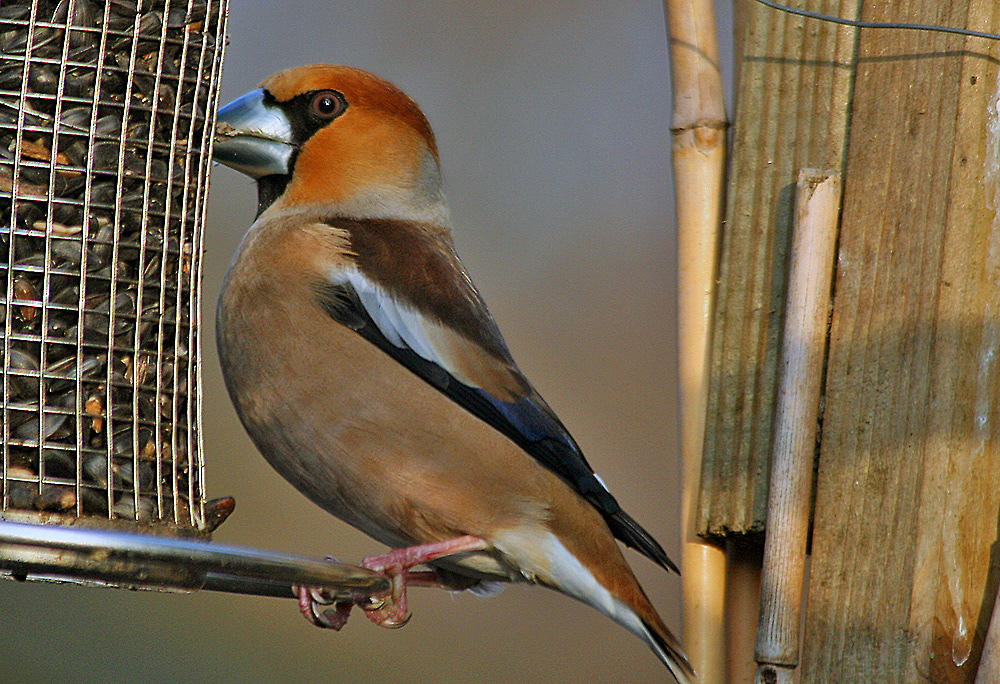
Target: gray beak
[253,138]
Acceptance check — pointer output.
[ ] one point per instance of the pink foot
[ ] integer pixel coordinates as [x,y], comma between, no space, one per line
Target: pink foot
[391,612]
[311,598]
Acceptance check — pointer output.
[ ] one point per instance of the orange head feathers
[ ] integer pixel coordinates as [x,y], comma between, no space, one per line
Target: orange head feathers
[356,143]
[364,91]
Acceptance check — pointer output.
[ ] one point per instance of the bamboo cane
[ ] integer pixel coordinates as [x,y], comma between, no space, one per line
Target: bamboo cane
[743,562]
[989,664]
[699,124]
[817,207]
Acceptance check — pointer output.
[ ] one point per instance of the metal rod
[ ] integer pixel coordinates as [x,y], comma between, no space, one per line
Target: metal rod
[139,560]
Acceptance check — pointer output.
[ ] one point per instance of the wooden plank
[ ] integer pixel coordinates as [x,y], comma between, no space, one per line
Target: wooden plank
[792,104]
[957,560]
[904,564]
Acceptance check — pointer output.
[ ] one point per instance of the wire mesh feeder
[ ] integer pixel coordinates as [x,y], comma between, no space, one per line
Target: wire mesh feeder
[104,154]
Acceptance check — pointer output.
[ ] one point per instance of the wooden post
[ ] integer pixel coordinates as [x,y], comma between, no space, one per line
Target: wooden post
[803,347]
[905,560]
[699,130]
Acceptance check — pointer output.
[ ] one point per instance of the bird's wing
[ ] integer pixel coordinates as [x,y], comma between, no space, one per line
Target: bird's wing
[436,324]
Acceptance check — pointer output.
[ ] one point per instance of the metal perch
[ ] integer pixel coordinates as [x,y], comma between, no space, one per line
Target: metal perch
[139,561]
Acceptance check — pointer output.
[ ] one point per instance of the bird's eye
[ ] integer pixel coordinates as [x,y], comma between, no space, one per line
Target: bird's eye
[327,104]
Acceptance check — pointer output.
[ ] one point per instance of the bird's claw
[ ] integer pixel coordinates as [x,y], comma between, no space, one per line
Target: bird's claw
[385,611]
[389,611]
[335,618]
[312,598]
[373,603]
[388,617]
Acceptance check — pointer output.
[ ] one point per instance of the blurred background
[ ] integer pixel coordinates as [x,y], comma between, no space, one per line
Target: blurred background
[553,122]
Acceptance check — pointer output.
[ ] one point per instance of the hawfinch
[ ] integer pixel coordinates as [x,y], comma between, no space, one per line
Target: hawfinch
[369,372]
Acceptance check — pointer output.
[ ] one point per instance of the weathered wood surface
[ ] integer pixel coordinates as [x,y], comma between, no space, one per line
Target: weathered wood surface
[905,553]
[792,103]
[905,560]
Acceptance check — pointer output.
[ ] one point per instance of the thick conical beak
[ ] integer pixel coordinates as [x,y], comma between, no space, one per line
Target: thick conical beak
[253,138]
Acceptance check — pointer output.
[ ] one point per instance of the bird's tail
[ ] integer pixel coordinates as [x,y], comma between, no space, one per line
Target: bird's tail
[668,649]
[605,582]
[636,613]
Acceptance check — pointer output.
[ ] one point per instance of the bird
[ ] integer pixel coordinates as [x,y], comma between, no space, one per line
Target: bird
[366,368]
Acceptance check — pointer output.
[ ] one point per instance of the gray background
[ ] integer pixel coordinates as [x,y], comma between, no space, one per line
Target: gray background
[553,125]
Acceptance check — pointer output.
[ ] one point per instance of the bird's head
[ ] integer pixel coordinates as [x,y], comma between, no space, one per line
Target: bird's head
[336,139]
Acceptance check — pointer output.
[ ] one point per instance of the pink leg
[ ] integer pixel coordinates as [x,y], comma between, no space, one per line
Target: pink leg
[391,612]
[410,556]
[424,578]
[396,564]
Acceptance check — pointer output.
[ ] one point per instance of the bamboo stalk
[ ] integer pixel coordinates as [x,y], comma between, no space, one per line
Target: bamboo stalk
[698,125]
[743,562]
[989,665]
[817,208]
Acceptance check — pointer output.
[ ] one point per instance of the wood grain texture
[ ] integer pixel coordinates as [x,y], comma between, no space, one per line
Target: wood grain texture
[905,561]
[793,93]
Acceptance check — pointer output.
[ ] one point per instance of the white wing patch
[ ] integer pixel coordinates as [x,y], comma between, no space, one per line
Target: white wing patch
[401,324]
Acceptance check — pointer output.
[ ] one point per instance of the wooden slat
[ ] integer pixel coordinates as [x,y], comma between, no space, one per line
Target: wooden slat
[792,99]
[905,530]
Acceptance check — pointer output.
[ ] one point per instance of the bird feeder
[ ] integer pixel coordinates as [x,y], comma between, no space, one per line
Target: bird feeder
[104,154]
[107,112]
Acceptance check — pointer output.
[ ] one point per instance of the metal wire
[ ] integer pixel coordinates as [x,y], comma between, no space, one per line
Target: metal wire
[105,138]
[856,23]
